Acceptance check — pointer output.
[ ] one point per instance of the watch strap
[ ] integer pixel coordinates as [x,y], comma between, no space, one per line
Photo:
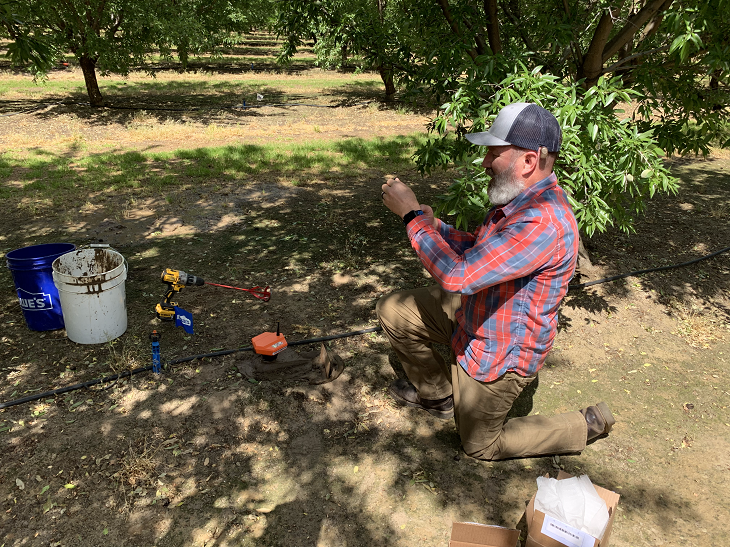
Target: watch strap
[410,216]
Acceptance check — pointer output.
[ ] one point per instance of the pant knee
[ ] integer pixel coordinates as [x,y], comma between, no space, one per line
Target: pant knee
[384,306]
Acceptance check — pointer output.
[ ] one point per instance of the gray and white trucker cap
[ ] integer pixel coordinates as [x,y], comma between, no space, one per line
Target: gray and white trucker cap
[526,125]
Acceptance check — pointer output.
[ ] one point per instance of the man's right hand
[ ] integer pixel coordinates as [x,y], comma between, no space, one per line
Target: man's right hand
[428,213]
[398,197]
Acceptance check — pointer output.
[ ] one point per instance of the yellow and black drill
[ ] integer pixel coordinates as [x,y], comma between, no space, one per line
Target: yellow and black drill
[176,281]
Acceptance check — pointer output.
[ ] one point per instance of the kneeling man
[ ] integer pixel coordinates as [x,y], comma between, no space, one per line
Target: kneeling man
[497,298]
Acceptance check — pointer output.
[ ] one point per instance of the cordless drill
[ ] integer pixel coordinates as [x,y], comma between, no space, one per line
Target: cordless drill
[176,281]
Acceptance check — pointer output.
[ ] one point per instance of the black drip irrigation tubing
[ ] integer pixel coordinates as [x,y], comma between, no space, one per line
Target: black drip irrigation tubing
[648,270]
[235,107]
[130,373]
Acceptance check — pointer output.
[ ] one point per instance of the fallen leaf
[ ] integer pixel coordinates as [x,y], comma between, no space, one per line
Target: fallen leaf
[20,484]
[69,486]
[45,489]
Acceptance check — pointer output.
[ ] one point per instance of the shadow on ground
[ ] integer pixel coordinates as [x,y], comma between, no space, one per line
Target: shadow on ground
[200,455]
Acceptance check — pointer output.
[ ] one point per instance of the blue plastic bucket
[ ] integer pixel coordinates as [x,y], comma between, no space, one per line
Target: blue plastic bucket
[33,277]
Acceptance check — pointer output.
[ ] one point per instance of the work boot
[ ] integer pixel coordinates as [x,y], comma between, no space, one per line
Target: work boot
[599,420]
[405,393]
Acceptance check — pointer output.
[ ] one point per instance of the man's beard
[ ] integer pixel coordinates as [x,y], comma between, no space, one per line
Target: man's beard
[504,187]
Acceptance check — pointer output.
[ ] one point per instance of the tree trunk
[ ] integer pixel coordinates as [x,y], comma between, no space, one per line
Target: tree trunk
[495,41]
[386,74]
[88,67]
[592,62]
[585,266]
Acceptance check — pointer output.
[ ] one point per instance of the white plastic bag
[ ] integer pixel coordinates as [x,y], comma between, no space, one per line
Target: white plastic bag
[573,501]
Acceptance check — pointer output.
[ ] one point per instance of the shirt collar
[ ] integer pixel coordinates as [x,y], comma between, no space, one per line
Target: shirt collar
[528,194]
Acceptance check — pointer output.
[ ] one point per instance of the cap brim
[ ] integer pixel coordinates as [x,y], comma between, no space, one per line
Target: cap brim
[485,138]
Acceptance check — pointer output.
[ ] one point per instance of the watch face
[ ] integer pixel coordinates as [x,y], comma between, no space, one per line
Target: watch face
[411,215]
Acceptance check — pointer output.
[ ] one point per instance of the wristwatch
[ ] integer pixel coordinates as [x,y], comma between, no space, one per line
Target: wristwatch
[410,216]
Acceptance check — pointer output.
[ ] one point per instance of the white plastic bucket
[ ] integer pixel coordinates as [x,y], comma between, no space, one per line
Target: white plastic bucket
[90,285]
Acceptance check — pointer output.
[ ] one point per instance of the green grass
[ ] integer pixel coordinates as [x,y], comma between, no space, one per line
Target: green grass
[317,86]
[48,175]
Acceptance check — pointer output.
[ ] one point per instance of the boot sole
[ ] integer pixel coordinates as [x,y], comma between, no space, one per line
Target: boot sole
[607,416]
[440,414]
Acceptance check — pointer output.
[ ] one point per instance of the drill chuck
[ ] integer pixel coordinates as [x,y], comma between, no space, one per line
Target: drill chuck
[190,280]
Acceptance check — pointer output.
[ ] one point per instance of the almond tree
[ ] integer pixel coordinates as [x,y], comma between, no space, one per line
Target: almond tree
[116,36]
[588,62]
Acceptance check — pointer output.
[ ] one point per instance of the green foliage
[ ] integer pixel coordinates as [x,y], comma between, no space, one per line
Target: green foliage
[116,36]
[669,60]
[26,48]
[607,164]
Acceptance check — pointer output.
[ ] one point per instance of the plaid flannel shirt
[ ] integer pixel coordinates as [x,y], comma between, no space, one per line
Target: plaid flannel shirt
[512,274]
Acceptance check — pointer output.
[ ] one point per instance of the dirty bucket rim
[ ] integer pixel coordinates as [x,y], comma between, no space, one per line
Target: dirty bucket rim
[101,275]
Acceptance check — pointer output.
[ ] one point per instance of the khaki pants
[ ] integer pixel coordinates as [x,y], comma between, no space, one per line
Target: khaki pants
[416,319]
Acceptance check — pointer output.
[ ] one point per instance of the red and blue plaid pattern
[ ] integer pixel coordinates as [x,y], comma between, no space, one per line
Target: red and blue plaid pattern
[512,274]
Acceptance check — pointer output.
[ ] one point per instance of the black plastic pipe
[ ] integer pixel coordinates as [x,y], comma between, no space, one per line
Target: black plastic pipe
[314,340]
[648,270]
[129,373]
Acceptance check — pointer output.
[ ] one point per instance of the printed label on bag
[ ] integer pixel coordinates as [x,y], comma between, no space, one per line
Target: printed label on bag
[567,535]
[34,301]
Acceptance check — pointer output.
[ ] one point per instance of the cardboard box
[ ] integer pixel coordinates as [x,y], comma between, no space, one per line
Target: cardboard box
[471,534]
[536,521]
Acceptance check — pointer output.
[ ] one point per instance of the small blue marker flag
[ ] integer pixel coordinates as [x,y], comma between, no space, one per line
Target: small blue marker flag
[184,319]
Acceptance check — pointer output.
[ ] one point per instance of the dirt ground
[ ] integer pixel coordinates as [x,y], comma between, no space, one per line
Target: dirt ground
[202,456]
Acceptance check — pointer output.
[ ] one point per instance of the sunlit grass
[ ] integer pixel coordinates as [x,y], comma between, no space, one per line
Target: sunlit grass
[177,86]
[42,174]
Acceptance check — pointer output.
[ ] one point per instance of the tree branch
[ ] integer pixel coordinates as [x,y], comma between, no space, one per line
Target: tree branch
[444,4]
[592,62]
[495,42]
[525,39]
[617,64]
[478,38]
[633,25]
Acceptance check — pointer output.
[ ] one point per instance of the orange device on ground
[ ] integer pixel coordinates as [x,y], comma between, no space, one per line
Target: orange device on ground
[268,344]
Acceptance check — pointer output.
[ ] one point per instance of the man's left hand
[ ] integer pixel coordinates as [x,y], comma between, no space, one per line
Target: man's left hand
[399,198]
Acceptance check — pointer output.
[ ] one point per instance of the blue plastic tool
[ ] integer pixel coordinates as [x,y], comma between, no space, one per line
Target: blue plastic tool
[156,362]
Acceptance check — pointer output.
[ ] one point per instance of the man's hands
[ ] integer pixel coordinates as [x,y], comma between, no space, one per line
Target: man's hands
[400,199]
[428,213]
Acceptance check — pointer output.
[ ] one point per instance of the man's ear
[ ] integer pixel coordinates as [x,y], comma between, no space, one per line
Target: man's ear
[530,162]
